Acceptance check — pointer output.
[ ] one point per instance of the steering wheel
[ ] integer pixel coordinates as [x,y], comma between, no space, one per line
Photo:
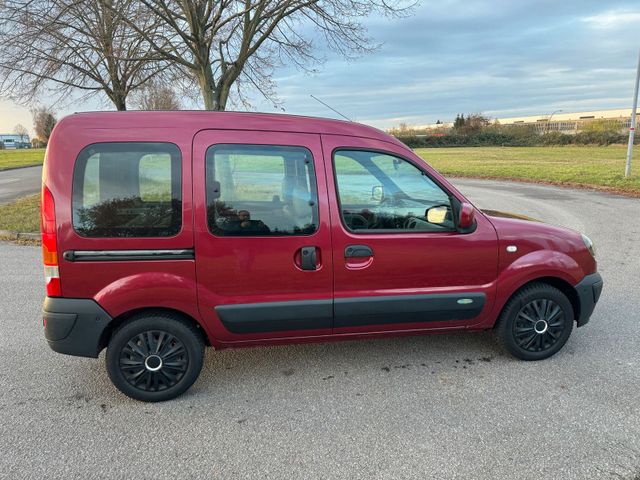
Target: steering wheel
[357,221]
[410,223]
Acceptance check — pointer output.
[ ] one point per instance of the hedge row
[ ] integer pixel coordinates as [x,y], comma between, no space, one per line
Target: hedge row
[516,139]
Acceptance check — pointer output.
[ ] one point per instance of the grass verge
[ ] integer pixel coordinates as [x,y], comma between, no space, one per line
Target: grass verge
[601,168]
[21,158]
[21,216]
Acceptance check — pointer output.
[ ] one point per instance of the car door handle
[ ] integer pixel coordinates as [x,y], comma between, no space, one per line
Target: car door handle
[358,251]
[308,258]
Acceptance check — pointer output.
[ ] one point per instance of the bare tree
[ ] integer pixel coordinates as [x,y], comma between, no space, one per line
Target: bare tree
[43,122]
[474,122]
[21,131]
[156,96]
[227,44]
[72,45]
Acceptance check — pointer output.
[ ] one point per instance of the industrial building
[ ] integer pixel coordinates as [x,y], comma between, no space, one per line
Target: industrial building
[559,121]
[11,141]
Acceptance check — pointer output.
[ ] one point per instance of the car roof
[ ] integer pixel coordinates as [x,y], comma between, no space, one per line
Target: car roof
[196,120]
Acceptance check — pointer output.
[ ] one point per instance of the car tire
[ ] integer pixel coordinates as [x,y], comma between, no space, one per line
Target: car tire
[155,356]
[536,322]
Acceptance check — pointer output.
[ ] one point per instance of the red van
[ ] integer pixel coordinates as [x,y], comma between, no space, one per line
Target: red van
[163,232]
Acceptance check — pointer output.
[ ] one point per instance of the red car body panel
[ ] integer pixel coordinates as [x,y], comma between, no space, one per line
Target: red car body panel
[411,263]
[246,270]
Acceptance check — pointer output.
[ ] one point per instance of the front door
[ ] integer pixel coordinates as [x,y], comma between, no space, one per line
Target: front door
[399,262]
[262,240]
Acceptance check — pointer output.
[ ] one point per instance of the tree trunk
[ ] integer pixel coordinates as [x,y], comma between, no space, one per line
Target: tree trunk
[207,87]
[223,94]
[120,102]
[215,96]
[118,99]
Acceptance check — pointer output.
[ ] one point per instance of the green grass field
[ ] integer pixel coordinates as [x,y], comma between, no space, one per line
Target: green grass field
[21,216]
[596,167]
[21,158]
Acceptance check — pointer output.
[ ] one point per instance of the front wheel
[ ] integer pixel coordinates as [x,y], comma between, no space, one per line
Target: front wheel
[155,357]
[536,322]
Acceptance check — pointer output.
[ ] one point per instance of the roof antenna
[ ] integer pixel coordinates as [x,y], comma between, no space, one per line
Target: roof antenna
[331,108]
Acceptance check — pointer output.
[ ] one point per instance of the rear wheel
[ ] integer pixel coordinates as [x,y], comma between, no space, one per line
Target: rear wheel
[155,356]
[536,322]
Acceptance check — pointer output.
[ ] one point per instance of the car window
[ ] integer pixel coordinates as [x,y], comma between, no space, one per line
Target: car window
[260,190]
[128,190]
[383,192]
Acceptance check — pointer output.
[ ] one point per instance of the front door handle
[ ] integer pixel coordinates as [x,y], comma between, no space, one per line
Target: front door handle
[358,251]
[308,258]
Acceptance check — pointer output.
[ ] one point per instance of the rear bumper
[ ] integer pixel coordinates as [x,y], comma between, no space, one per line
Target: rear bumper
[589,290]
[74,326]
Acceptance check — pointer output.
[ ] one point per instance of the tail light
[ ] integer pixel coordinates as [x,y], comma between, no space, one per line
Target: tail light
[49,243]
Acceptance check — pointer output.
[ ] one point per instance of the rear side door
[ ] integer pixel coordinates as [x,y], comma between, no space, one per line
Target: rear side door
[399,262]
[262,240]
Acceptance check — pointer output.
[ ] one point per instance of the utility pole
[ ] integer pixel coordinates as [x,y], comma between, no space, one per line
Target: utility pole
[632,130]
[550,117]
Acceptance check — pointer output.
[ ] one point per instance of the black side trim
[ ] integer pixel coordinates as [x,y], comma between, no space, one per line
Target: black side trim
[348,312]
[351,312]
[276,316]
[127,255]
[74,326]
[589,290]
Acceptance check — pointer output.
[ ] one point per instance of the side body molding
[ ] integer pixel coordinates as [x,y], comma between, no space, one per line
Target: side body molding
[347,312]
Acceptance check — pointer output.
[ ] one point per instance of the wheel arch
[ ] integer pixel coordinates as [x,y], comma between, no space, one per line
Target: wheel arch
[121,319]
[564,286]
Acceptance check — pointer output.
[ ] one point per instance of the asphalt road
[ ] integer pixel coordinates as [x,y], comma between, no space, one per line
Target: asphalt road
[443,406]
[19,182]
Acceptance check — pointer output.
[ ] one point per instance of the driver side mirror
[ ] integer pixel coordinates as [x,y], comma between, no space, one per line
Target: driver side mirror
[437,215]
[377,193]
[466,217]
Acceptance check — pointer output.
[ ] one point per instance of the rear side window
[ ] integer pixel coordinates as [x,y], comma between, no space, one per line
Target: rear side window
[261,190]
[128,190]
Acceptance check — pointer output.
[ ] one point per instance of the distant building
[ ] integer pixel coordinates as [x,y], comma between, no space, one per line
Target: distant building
[559,121]
[11,141]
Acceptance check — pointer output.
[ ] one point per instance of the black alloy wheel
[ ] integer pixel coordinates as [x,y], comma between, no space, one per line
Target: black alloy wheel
[539,325]
[536,322]
[153,361]
[155,356]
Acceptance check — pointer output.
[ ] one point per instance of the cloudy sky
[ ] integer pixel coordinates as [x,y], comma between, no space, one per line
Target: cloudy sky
[499,57]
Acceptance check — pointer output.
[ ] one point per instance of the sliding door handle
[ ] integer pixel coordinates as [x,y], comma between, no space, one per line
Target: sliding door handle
[358,251]
[308,258]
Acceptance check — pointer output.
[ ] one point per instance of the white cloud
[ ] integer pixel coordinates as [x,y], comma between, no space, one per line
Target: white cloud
[612,19]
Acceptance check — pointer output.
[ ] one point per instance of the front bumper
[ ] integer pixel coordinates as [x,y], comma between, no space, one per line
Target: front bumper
[589,290]
[74,326]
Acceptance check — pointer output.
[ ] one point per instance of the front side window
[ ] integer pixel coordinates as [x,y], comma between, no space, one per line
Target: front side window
[128,190]
[261,190]
[383,192]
